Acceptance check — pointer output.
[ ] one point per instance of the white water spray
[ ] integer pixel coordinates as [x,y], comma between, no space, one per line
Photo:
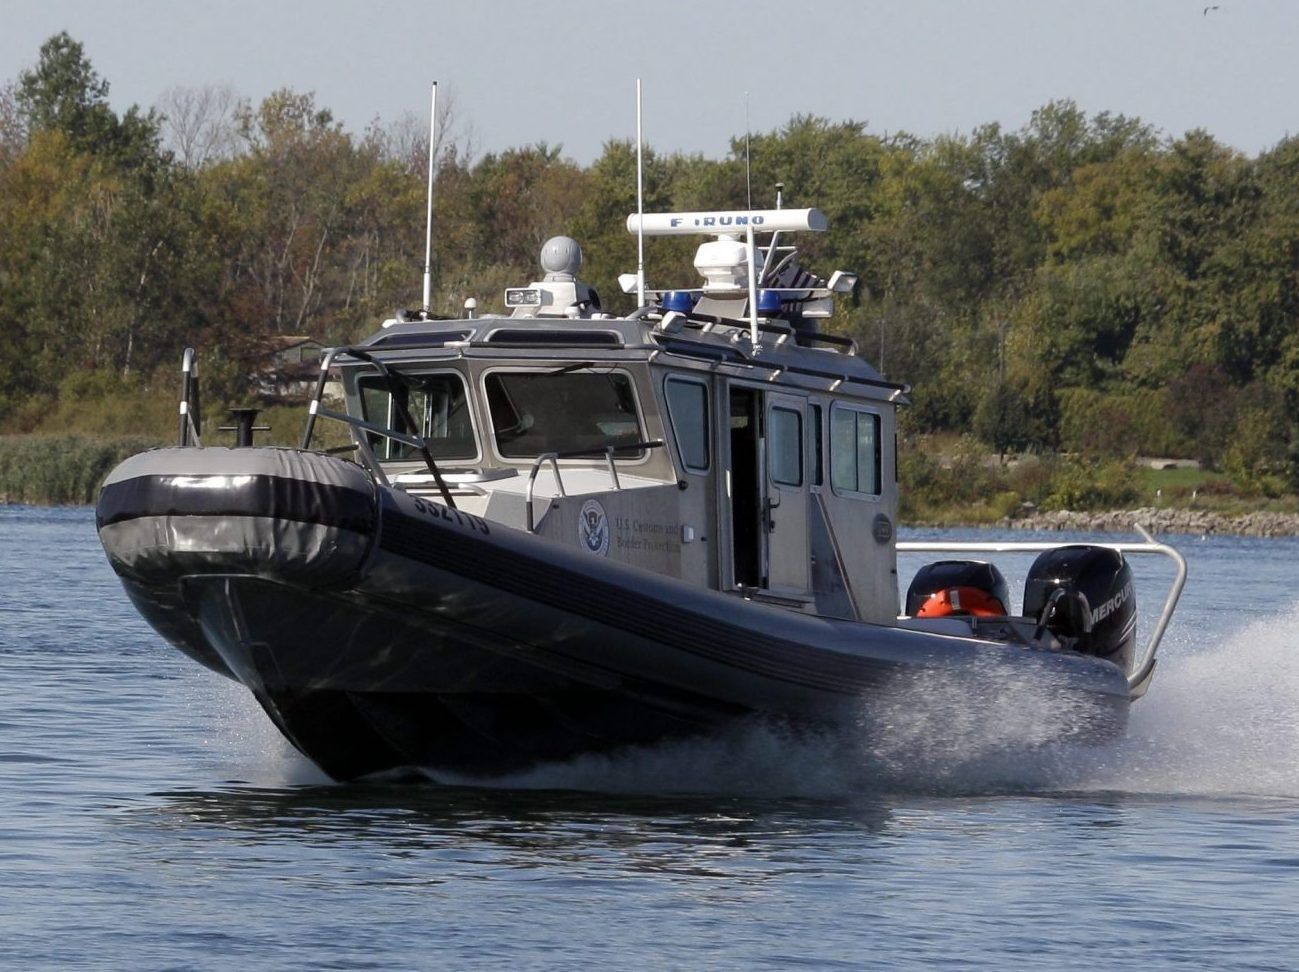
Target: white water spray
[246,743]
[1220,719]
[1223,719]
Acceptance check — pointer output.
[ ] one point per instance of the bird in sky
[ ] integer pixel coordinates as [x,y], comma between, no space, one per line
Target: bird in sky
[1207,9]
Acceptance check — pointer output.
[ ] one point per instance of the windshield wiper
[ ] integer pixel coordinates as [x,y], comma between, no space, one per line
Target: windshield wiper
[575,366]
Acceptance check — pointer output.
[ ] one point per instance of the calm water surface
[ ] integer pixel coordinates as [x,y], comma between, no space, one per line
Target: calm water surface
[151,818]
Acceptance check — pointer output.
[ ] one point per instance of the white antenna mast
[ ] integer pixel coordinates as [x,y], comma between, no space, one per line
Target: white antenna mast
[754,337]
[640,208]
[748,177]
[754,276]
[428,231]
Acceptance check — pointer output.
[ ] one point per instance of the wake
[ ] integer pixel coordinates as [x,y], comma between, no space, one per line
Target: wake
[1219,719]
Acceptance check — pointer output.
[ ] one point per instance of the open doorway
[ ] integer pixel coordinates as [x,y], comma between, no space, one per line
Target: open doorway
[746,486]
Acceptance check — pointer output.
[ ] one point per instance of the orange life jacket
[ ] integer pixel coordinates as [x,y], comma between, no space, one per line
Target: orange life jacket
[961,600]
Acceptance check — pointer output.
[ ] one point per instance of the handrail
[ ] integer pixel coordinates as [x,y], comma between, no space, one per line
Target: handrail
[839,340]
[391,379]
[774,327]
[352,420]
[687,346]
[1140,679]
[190,418]
[1142,671]
[326,362]
[554,457]
[620,447]
[613,467]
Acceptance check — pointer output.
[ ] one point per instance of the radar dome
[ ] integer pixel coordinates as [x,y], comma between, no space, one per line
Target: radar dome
[561,254]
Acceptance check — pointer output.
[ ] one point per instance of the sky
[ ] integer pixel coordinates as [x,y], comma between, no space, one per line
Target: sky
[523,71]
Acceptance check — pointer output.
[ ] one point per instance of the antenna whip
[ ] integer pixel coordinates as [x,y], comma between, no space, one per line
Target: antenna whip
[428,230]
[748,129]
[640,208]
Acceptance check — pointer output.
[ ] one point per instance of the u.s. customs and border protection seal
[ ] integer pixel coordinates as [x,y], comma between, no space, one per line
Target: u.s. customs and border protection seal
[593,528]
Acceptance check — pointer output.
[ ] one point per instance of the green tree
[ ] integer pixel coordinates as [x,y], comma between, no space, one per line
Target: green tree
[1001,418]
[64,93]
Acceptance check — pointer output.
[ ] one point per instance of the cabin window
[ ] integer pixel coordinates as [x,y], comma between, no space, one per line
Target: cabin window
[688,412]
[854,451]
[577,414]
[815,451]
[438,405]
[785,440]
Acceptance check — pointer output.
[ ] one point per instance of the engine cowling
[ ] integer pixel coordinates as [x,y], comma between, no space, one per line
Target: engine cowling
[956,587]
[1084,595]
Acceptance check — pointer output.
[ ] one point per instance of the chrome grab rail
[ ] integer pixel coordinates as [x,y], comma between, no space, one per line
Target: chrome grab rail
[190,419]
[553,459]
[1142,672]
[613,469]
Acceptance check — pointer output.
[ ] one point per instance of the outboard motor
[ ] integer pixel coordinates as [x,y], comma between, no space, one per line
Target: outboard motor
[1085,597]
[957,587]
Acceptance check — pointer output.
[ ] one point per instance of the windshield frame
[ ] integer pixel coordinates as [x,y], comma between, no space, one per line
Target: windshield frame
[366,379]
[623,457]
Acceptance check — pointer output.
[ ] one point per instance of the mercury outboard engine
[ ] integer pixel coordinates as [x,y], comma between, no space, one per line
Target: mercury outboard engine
[956,587]
[1084,596]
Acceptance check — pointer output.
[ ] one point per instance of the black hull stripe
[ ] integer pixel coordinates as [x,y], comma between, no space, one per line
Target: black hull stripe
[285,498]
[624,608]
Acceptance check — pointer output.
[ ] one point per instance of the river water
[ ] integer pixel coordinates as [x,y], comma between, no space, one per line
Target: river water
[151,818]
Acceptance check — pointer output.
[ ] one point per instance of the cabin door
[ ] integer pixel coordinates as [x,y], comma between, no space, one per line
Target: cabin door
[785,503]
[767,486]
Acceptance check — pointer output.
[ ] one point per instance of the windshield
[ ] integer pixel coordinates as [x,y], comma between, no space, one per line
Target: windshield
[438,405]
[568,412]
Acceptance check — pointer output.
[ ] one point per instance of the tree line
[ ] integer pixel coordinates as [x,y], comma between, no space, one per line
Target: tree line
[1083,283]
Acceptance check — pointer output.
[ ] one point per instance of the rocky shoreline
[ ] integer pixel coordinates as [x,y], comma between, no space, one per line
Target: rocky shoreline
[1161,521]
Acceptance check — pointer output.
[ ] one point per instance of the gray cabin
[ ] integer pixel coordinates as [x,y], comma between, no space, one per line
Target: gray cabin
[729,444]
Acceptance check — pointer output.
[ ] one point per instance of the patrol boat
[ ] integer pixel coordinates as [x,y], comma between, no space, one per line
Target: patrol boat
[559,531]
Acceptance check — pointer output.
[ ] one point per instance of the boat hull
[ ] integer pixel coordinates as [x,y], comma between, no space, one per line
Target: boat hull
[379,630]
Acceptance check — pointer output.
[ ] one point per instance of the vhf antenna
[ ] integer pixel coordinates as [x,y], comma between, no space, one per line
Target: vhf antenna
[640,208]
[748,176]
[428,230]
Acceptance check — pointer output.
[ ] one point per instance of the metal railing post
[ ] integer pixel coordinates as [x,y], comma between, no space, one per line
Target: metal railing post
[190,418]
[553,459]
[613,468]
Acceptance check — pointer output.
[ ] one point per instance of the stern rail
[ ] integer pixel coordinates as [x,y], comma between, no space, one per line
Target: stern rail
[1144,669]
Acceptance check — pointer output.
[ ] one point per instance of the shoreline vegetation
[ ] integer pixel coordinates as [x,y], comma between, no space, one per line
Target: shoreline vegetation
[61,470]
[1163,521]
[1062,297]
[1160,521]
[949,482]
